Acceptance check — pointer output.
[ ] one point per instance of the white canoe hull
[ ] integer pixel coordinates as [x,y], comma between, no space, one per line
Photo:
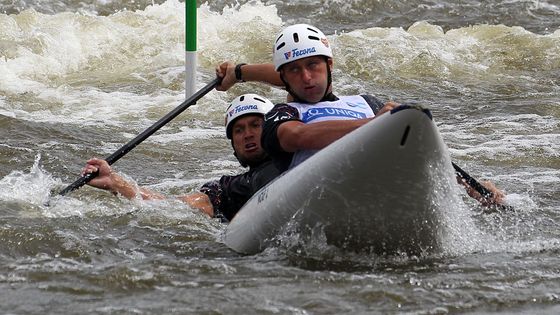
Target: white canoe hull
[378,189]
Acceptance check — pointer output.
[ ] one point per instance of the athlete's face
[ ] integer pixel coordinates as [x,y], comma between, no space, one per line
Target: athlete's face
[308,77]
[246,136]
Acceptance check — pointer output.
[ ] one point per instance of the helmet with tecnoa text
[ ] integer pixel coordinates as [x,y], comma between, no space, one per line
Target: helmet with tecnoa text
[245,104]
[299,41]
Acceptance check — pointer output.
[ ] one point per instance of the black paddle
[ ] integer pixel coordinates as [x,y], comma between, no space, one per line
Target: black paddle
[483,191]
[144,135]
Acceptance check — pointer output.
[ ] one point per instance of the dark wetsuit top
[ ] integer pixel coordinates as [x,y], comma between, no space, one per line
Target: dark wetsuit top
[282,113]
[230,193]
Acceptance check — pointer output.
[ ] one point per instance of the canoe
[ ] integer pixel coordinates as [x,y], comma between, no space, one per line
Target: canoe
[381,188]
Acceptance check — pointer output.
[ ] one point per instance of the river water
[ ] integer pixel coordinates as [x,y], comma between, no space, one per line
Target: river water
[81,78]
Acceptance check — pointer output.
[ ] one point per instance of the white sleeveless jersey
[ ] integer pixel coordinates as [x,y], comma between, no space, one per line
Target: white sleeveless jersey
[346,108]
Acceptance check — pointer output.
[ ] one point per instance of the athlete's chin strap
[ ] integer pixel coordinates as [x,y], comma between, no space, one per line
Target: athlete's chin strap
[297,98]
[243,164]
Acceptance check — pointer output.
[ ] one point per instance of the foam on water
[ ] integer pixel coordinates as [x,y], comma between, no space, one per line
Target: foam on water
[188,133]
[466,55]
[34,194]
[126,69]
[67,61]
[32,191]
[491,85]
[80,68]
[32,187]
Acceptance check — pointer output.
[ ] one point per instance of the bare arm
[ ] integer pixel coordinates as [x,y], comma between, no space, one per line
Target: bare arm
[496,199]
[296,135]
[107,179]
[199,201]
[111,181]
[251,72]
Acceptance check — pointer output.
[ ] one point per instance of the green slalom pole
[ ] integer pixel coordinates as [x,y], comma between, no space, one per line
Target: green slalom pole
[190,45]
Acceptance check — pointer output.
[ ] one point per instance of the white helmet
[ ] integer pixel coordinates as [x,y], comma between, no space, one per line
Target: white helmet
[297,42]
[244,105]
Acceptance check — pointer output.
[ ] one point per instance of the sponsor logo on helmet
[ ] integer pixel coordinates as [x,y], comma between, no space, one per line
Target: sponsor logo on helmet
[288,55]
[325,42]
[299,52]
[242,108]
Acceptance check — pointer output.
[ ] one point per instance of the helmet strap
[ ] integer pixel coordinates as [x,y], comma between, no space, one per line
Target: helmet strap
[289,89]
[329,79]
[243,163]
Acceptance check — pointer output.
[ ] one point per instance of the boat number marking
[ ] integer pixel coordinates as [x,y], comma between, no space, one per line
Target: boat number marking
[263,194]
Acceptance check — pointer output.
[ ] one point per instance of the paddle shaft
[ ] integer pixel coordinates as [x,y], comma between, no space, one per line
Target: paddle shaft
[144,135]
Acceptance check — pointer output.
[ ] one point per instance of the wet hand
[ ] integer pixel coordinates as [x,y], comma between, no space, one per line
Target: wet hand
[389,106]
[496,199]
[104,179]
[226,71]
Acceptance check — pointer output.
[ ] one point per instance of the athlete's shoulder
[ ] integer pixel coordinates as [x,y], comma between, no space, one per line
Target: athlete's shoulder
[282,112]
[375,103]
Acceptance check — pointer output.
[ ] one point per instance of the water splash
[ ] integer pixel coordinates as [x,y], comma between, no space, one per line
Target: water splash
[33,187]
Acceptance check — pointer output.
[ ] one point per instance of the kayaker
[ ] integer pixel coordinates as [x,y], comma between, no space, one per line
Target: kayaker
[220,198]
[314,116]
